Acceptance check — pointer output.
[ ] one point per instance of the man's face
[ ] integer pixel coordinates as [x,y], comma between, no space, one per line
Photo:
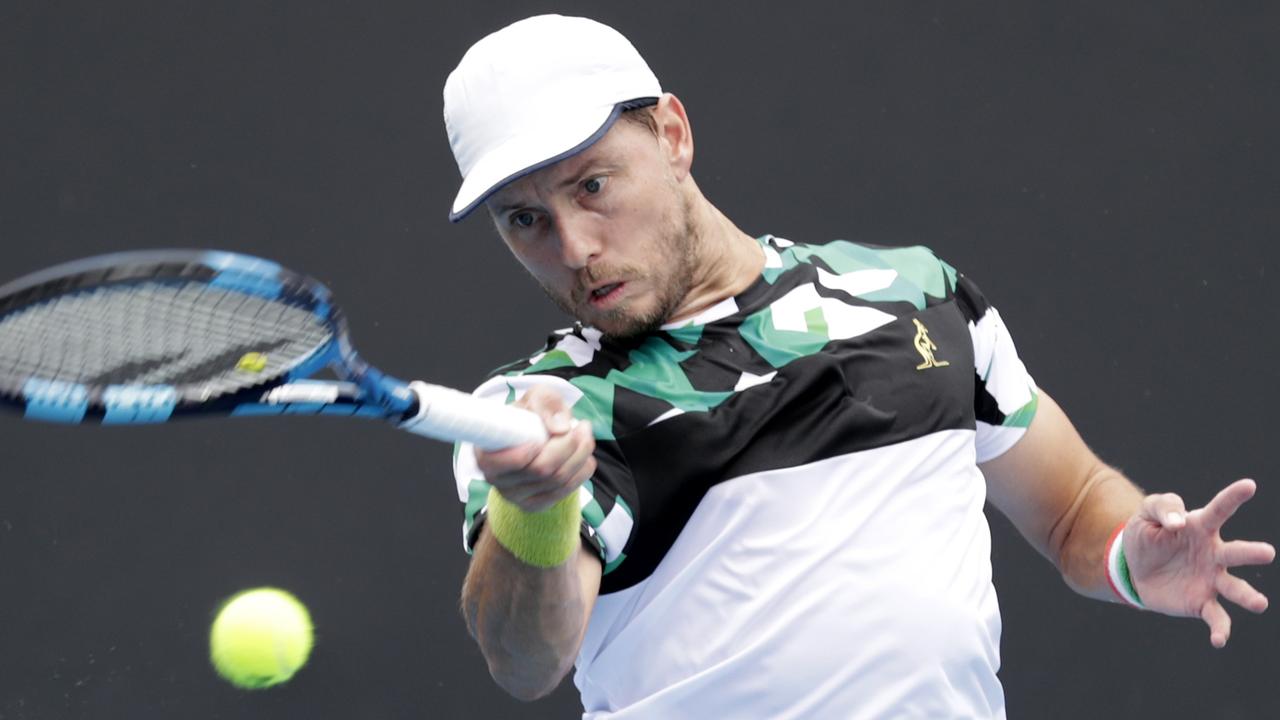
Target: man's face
[607,232]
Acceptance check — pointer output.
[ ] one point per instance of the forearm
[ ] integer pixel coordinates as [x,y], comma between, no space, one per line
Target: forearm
[1079,540]
[1067,503]
[528,621]
[1062,498]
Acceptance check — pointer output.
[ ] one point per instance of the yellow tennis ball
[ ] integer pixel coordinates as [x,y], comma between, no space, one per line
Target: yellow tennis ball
[252,362]
[260,638]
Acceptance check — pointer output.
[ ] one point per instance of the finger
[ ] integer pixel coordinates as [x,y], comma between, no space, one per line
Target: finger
[577,470]
[531,495]
[555,470]
[1240,592]
[581,465]
[560,456]
[1166,510]
[550,406]
[495,463]
[506,460]
[1219,623]
[584,444]
[1243,552]
[1226,502]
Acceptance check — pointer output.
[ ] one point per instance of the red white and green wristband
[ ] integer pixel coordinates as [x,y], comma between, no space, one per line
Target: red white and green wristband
[1118,570]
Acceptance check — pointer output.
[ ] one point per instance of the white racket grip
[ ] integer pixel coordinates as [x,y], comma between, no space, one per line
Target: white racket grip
[447,414]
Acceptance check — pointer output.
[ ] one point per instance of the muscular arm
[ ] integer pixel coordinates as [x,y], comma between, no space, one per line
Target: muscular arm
[528,621]
[1062,498]
[1066,502]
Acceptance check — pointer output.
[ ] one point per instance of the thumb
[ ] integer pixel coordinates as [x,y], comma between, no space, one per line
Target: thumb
[1166,510]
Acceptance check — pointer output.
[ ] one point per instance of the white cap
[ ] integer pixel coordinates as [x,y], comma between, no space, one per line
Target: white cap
[534,93]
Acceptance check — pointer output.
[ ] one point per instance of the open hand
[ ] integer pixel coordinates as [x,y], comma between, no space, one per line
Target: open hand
[1179,561]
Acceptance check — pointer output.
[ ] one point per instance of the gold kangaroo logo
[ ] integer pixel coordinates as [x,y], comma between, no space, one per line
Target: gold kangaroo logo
[926,347]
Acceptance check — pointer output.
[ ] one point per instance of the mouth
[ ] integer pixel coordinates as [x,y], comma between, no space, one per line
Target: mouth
[605,294]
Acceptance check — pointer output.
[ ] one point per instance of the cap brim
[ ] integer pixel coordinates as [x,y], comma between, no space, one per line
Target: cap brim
[528,153]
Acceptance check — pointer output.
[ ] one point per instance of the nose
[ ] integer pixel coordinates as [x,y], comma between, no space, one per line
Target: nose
[579,240]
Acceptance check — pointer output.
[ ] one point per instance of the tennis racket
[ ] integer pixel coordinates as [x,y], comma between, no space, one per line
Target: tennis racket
[151,336]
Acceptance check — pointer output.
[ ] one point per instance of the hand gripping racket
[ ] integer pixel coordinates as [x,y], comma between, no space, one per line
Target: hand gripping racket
[150,336]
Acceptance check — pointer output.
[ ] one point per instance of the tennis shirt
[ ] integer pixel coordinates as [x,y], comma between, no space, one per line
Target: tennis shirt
[788,503]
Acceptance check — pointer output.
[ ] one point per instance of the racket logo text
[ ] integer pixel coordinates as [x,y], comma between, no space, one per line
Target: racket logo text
[138,403]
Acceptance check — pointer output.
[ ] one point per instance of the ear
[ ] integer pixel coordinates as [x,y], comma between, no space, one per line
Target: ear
[675,135]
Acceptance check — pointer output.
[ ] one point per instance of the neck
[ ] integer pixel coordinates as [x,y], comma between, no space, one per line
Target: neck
[727,260]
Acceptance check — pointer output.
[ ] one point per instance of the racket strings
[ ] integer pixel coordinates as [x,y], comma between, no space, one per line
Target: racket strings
[158,333]
[128,342]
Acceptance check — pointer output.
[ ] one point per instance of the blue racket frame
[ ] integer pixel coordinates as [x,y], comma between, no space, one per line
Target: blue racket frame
[362,390]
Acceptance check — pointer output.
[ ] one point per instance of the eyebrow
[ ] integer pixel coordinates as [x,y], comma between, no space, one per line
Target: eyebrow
[588,169]
[504,209]
[591,168]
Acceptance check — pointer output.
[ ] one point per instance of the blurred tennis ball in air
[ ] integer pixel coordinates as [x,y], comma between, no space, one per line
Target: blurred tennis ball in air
[260,638]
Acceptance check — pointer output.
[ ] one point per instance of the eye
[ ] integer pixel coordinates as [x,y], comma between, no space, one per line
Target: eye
[522,219]
[594,185]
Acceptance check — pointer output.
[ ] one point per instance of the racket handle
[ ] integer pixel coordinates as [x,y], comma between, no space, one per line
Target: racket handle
[446,414]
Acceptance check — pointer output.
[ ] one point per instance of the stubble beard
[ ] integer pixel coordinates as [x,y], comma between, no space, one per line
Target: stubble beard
[672,276]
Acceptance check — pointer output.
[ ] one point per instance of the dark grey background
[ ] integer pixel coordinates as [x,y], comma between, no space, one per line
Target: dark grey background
[1108,172]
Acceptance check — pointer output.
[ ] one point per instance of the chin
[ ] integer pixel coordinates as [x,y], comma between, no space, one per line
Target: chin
[628,327]
[622,323]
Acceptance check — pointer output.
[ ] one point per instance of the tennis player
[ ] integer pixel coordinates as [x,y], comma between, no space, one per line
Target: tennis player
[763,492]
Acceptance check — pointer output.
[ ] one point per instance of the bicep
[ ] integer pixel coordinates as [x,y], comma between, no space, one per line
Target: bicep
[1041,482]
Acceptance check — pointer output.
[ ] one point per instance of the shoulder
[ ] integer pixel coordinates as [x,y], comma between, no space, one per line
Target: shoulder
[868,271]
[917,262]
